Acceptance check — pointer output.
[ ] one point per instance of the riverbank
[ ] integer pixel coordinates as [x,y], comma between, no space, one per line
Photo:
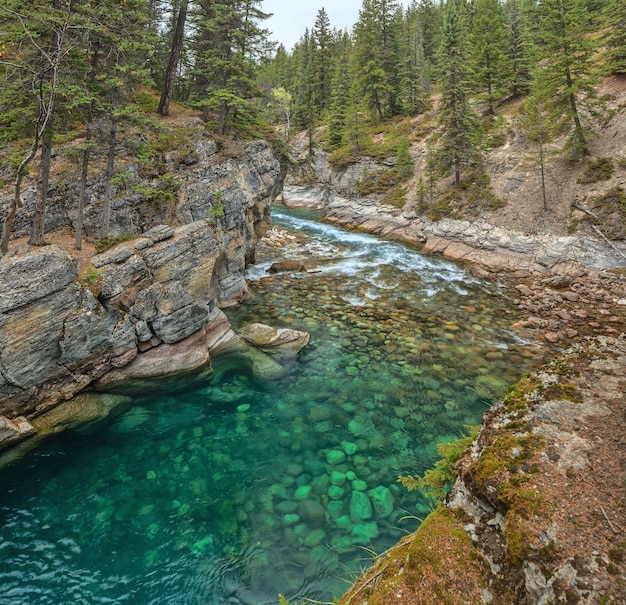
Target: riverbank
[538,513]
[570,287]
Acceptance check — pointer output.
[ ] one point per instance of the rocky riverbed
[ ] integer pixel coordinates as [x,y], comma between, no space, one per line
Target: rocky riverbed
[538,512]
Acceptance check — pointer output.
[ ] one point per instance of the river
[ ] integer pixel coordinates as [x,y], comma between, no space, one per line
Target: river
[235,491]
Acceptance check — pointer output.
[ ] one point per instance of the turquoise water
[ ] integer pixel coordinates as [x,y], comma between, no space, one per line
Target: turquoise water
[236,491]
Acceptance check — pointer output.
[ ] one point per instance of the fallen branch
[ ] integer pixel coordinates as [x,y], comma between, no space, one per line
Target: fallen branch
[608,241]
[608,520]
[578,207]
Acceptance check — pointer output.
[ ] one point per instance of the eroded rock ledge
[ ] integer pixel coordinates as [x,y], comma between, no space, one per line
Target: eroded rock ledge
[537,515]
[149,307]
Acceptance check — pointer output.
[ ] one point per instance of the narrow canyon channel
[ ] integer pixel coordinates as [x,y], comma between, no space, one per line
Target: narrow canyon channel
[233,491]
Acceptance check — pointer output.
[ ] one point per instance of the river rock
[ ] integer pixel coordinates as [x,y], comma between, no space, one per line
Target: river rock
[364,533]
[382,499]
[287,265]
[15,430]
[280,343]
[360,507]
[312,513]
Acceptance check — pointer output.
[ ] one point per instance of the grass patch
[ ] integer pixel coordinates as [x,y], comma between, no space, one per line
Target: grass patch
[472,198]
[600,169]
[105,243]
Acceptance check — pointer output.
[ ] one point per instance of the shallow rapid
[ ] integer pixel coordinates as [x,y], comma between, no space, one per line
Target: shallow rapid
[235,491]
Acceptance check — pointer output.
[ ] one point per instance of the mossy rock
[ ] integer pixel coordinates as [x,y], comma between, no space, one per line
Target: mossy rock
[420,565]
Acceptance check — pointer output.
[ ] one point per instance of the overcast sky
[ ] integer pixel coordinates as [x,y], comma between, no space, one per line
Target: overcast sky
[291,17]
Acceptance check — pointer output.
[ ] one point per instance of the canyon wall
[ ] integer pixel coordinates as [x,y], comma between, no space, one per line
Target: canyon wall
[147,307]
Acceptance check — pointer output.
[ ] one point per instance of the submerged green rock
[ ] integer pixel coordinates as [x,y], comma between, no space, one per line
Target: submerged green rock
[360,507]
[382,499]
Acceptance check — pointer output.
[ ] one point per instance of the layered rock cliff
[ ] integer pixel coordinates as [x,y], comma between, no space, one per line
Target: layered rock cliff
[148,307]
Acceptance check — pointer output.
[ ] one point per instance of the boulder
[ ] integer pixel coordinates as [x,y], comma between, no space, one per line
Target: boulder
[13,431]
[360,507]
[312,513]
[287,265]
[281,343]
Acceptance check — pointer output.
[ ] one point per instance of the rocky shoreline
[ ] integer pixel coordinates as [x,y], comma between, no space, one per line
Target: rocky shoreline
[537,514]
[570,287]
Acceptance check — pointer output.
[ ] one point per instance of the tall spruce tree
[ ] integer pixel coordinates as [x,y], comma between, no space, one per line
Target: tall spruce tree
[566,53]
[457,144]
[321,68]
[519,48]
[340,95]
[488,43]
[615,37]
[414,77]
[376,55]
[228,43]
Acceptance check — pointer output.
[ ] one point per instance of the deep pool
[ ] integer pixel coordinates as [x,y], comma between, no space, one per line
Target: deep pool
[235,491]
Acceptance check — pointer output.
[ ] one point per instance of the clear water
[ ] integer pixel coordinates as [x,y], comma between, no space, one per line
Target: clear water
[235,491]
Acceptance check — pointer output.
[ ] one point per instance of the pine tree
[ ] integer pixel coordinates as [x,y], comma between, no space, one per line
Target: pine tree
[228,43]
[414,79]
[537,123]
[519,49]
[321,68]
[305,115]
[615,37]
[376,55]
[355,136]
[35,47]
[174,58]
[340,95]
[430,16]
[566,55]
[403,163]
[488,43]
[457,145]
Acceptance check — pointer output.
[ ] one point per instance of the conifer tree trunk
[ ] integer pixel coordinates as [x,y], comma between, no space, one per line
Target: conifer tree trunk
[106,208]
[172,66]
[78,241]
[39,219]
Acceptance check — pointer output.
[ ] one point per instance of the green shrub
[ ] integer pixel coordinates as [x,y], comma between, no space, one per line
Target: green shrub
[436,482]
[146,101]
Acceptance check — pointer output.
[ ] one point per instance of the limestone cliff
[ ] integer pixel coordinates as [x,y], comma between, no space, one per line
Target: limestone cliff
[146,307]
[537,515]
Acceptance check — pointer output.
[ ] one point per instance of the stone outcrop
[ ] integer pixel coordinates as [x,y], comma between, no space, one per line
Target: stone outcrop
[145,308]
[537,513]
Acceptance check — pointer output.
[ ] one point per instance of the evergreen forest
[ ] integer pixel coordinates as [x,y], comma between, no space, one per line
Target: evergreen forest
[90,70]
